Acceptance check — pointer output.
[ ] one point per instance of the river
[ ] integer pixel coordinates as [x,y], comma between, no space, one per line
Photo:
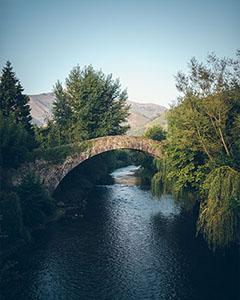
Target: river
[127,245]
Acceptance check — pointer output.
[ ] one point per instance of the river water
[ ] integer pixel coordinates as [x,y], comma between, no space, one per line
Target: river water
[128,245]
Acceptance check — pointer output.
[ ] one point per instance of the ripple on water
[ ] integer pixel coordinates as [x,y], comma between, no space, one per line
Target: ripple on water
[129,245]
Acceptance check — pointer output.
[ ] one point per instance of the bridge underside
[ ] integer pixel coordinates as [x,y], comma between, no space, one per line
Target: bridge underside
[52,174]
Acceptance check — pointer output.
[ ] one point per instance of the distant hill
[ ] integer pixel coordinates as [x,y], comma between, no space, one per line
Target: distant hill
[141,114]
[159,120]
[41,107]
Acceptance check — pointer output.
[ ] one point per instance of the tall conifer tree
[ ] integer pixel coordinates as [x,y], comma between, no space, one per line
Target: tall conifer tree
[12,99]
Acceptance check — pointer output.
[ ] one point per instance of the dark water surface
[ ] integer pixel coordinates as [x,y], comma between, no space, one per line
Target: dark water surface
[127,245]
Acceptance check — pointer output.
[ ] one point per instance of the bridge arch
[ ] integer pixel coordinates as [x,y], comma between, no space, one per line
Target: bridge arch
[52,174]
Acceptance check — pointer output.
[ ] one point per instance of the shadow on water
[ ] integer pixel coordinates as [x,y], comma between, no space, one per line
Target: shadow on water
[128,245]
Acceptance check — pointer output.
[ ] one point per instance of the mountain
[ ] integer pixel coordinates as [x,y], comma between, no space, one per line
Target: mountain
[141,114]
[148,110]
[159,120]
[41,107]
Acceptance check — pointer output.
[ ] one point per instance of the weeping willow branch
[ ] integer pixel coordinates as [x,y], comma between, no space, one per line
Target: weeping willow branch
[157,184]
[219,214]
[160,182]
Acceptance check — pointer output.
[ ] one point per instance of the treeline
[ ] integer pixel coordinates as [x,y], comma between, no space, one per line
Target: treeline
[90,105]
[202,152]
[202,144]
[28,205]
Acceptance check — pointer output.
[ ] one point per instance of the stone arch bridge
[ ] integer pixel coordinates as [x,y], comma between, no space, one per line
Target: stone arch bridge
[51,172]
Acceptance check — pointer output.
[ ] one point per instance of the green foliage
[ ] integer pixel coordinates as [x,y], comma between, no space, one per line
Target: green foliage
[203,130]
[16,132]
[9,279]
[12,227]
[53,155]
[12,100]
[160,120]
[148,169]
[157,184]
[155,132]
[92,105]
[61,109]
[211,103]
[160,183]
[58,154]
[80,181]
[48,136]
[123,158]
[35,201]
[220,212]
[150,174]
[202,152]
[62,114]
[16,144]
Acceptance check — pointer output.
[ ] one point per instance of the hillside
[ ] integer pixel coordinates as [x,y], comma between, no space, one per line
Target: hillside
[141,114]
[159,120]
[41,106]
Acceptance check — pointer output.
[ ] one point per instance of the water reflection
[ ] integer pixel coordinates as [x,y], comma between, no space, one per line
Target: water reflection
[127,176]
[128,245]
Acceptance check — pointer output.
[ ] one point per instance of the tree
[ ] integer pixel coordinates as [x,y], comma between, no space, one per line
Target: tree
[12,221]
[8,90]
[92,105]
[35,201]
[22,110]
[15,146]
[220,212]
[203,144]
[61,108]
[12,99]
[62,113]
[155,133]
[212,93]
[202,131]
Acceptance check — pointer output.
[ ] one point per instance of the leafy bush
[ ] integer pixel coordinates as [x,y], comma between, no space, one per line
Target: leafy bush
[36,202]
[155,133]
[58,154]
[12,227]
[16,143]
[219,214]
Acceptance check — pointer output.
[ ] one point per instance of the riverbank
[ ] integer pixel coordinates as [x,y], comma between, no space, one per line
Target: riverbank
[127,243]
[63,212]
[72,208]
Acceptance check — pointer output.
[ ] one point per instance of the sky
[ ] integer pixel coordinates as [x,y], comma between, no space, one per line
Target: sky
[144,43]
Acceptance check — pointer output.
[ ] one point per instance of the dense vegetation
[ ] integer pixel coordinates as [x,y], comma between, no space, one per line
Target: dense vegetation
[203,146]
[91,105]
[28,205]
[80,181]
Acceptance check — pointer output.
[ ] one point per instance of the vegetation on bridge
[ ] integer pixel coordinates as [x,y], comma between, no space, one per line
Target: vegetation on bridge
[57,154]
[202,145]
[91,105]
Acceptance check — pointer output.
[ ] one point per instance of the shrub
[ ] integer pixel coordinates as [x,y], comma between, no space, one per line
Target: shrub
[36,202]
[219,214]
[12,227]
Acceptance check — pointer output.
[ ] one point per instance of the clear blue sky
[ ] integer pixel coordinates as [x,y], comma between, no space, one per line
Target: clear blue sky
[144,43]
